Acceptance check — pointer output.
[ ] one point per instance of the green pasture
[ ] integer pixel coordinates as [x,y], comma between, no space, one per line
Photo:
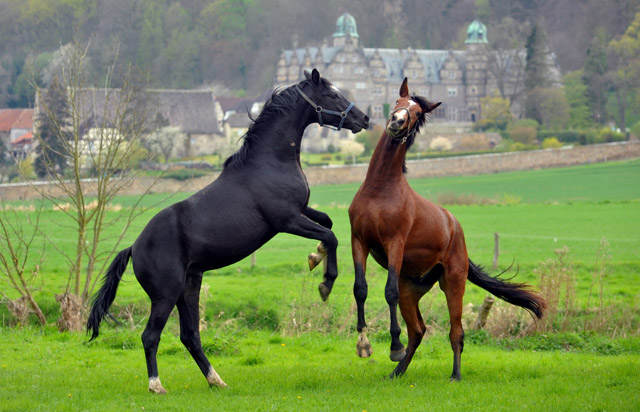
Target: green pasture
[49,371]
[280,348]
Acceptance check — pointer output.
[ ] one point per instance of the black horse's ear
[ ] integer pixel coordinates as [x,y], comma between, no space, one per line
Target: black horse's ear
[314,76]
[404,88]
[432,106]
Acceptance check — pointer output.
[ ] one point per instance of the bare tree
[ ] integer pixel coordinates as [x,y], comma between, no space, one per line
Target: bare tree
[506,60]
[17,234]
[101,139]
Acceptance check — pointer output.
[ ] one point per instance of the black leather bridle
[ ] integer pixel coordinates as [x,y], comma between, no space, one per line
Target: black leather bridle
[320,110]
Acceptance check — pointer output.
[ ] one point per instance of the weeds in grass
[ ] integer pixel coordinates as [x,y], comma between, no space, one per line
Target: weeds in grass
[558,286]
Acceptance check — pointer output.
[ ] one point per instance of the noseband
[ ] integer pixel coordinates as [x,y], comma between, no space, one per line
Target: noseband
[320,110]
[411,130]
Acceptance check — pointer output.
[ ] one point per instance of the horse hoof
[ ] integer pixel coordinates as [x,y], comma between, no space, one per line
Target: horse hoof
[214,379]
[324,291]
[363,347]
[397,355]
[156,387]
[313,262]
[363,352]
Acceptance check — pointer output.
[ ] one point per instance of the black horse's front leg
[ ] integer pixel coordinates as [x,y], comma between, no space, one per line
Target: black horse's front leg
[301,225]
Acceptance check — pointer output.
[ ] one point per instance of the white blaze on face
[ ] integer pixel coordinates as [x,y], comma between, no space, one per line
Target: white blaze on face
[335,89]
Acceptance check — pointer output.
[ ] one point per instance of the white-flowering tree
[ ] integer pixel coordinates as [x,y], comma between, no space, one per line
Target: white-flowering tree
[440,144]
[351,148]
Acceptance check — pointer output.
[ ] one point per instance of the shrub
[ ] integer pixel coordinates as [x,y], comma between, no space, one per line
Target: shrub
[440,144]
[606,135]
[523,134]
[635,130]
[474,142]
[551,143]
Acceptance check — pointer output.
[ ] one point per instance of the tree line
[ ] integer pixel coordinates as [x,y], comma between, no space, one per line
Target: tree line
[234,44]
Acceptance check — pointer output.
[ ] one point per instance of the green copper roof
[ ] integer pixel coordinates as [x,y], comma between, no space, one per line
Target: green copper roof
[346,26]
[476,32]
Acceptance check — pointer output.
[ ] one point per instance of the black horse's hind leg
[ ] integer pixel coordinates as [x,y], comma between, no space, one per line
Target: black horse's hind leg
[188,308]
[301,225]
[324,220]
[160,311]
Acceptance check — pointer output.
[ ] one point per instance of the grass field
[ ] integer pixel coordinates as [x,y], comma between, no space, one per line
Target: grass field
[266,372]
[280,348]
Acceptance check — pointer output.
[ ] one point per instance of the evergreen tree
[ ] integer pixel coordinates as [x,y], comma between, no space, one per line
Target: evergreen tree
[536,72]
[53,132]
[595,74]
[576,92]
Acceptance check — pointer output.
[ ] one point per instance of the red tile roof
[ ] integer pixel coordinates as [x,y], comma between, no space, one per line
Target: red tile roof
[15,119]
[24,139]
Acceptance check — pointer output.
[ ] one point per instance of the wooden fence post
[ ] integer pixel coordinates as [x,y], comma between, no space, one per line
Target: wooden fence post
[483,313]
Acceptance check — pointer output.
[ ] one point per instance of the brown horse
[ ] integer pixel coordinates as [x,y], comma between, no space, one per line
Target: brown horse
[418,242]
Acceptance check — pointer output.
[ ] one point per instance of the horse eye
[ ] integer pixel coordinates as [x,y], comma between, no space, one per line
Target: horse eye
[397,101]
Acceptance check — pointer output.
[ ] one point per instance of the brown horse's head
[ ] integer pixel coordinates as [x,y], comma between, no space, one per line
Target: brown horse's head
[409,114]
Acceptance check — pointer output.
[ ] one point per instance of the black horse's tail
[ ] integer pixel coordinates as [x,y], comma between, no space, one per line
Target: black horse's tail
[518,294]
[107,293]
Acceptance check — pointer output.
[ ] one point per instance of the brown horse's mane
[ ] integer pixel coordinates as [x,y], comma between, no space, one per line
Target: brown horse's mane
[420,121]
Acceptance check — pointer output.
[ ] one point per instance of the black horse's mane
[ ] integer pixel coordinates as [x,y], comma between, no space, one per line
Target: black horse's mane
[280,101]
[420,121]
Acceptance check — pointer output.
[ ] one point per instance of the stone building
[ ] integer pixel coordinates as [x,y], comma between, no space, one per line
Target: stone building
[372,76]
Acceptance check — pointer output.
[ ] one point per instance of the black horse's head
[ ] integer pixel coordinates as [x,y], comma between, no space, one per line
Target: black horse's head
[332,108]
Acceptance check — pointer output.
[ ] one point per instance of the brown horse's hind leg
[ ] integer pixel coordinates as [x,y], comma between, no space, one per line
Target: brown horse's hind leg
[453,285]
[410,309]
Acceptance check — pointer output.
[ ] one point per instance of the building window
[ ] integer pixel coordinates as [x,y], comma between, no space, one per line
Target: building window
[452,91]
[358,70]
[377,112]
[451,74]
[423,91]
[361,85]
[338,68]
[439,112]
[414,73]
[452,114]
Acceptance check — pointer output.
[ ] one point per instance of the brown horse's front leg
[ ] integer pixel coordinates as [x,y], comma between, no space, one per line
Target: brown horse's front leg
[360,292]
[391,294]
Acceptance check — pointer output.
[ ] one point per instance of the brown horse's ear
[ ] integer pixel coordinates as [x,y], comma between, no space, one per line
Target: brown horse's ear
[432,106]
[404,88]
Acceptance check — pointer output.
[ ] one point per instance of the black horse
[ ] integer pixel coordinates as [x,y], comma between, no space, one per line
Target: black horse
[262,191]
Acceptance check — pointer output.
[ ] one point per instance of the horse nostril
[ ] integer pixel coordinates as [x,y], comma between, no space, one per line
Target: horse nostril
[401,120]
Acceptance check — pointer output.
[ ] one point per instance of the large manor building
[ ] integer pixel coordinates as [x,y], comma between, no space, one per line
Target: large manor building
[372,76]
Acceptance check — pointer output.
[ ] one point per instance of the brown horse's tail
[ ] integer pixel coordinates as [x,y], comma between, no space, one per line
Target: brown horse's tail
[518,294]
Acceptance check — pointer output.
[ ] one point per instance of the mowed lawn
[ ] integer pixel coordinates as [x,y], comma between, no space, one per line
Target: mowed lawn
[266,372]
[280,348]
